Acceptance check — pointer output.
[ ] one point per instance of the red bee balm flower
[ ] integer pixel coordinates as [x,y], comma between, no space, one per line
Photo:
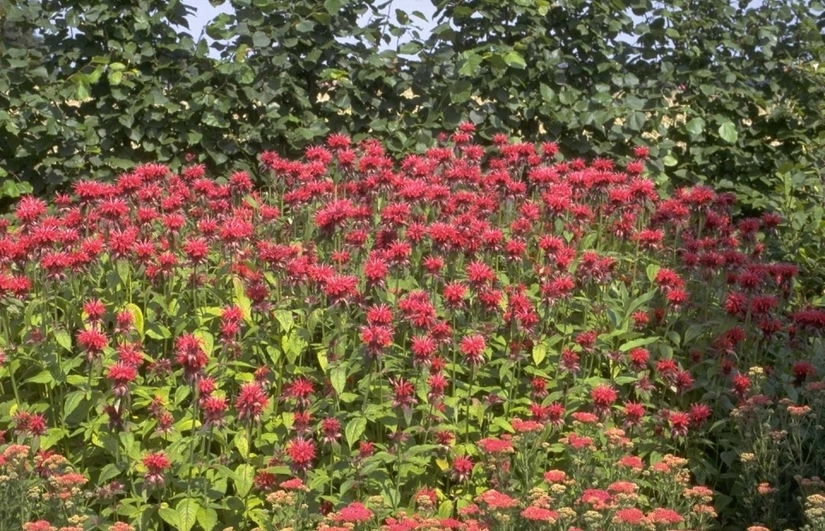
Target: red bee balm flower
[156,464]
[473,349]
[603,397]
[301,451]
[251,402]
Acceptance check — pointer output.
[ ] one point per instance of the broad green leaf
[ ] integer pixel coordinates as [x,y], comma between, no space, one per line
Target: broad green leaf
[514,60]
[333,6]
[188,513]
[170,516]
[636,343]
[355,428]
[63,339]
[546,92]
[241,442]
[728,132]
[137,316]
[244,476]
[539,353]
[695,126]
[242,300]
[206,339]
[461,91]
[207,518]
[471,63]
[338,378]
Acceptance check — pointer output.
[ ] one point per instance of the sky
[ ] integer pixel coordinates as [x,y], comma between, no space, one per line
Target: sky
[206,13]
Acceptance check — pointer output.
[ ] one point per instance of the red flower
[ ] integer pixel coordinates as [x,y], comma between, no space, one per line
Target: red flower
[330,430]
[93,341]
[462,468]
[678,423]
[29,208]
[699,413]
[473,349]
[251,402]
[156,464]
[630,515]
[121,375]
[214,408]
[603,397]
[190,355]
[301,451]
[354,513]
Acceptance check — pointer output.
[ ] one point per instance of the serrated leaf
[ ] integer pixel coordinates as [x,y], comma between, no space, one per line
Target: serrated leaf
[355,428]
[471,63]
[338,378]
[170,516]
[137,317]
[539,353]
[652,270]
[63,339]
[207,518]
[244,476]
[241,442]
[188,513]
[242,300]
[514,59]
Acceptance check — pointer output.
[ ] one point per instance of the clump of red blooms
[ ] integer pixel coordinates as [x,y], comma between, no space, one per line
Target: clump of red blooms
[466,284]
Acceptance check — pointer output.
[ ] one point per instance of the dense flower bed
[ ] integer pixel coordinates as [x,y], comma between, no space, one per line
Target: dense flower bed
[481,338]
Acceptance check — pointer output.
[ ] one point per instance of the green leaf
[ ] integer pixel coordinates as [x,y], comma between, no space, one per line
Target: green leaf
[242,300]
[355,428]
[338,378]
[188,513]
[241,442]
[546,92]
[670,160]
[43,377]
[728,132]
[63,339]
[539,353]
[636,343]
[652,270]
[207,518]
[514,59]
[137,316]
[260,39]
[332,6]
[471,63]
[206,340]
[695,126]
[170,516]
[244,476]
[461,91]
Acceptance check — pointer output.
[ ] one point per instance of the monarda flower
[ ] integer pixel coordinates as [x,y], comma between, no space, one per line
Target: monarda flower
[214,408]
[191,356]
[472,347]
[301,452]
[156,464]
[330,430]
[92,341]
[251,402]
[603,397]
[301,391]
[121,375]
[462,469]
